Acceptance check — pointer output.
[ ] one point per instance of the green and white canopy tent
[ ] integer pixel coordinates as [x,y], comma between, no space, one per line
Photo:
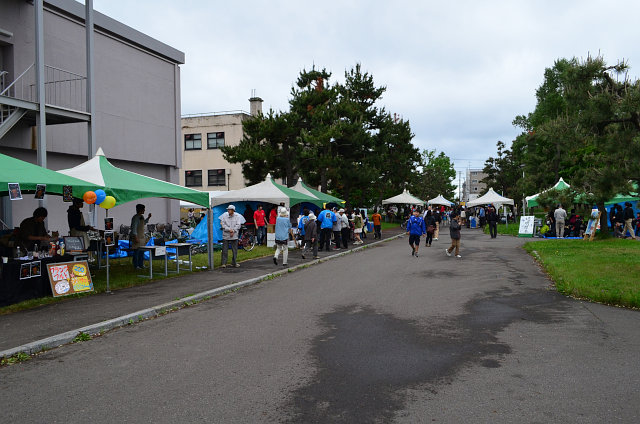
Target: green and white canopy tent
[323,198]
[29,175]
[127,186]
[532,200]
[267,191]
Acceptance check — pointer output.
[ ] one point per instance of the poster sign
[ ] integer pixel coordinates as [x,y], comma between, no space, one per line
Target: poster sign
[109,239]
[526,226]
[14,191]
[160,251]
[108,224]
[67,193]
[41,189]
[69,278]
[592,225]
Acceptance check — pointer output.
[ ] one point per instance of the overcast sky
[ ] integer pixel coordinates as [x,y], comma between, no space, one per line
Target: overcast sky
[459,71]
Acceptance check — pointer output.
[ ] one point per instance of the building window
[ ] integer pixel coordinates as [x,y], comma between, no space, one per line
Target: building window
[217,177]
[193,142]
[215,140]
[475,181]
[193,178]
[475,189]
[474,173]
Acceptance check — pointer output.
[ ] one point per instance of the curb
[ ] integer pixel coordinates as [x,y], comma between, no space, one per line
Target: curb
[155,311]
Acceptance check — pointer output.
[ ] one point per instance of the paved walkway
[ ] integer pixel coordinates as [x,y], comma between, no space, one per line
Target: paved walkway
[47,321]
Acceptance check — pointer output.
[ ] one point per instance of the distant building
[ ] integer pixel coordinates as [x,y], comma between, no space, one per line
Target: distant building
[472,186]
[136,117]
[203,166]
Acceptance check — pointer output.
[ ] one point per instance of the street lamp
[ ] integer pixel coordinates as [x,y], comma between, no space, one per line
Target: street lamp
[524,205]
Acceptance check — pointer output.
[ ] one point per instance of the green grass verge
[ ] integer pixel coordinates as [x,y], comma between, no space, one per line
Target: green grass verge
[512,229]
[122,275]
[606,271]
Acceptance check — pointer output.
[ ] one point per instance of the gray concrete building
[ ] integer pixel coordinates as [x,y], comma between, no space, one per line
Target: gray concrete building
[472,186]
[135,116]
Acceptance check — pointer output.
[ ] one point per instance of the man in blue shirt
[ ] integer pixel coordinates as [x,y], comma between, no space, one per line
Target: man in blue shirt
[415,229]
[326,218]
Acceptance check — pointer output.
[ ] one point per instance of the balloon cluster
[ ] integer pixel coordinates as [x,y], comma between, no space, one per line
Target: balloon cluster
[99,197]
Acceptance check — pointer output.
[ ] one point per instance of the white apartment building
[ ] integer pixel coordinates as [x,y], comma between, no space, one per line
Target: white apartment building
[472,186]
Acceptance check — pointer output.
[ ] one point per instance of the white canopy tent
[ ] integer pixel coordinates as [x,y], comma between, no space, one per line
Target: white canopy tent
[490,198]
[405,198]
[440,200]
[266,191]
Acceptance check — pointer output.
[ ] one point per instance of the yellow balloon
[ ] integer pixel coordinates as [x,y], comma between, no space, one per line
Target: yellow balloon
[108,202]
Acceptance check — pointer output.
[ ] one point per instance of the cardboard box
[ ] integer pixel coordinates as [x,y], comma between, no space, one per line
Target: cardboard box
[271,228]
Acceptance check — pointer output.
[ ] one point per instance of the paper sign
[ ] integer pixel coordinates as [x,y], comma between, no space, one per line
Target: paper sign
[161,250]
[69,277]
[526,226]
[14,191]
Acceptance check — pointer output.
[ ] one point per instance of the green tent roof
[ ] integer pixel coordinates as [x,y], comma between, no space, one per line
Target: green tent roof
[28,175]
[324,197]
[560,185]
[127,186]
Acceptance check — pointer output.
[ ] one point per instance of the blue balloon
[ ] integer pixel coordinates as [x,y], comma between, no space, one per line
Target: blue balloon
[100,196]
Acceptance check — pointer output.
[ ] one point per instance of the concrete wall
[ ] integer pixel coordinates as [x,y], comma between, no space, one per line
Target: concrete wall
[137,100]
[205,159]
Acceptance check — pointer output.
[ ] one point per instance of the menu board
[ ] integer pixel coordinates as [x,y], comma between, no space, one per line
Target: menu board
[69,278]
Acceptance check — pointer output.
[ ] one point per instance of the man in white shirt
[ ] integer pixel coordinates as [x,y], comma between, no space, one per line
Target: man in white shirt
[559,215]
[230,223]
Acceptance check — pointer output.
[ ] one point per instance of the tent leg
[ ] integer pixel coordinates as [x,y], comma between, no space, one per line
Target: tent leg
[210,236]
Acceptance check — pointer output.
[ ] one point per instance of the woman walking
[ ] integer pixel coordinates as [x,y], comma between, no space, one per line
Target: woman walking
[430,222]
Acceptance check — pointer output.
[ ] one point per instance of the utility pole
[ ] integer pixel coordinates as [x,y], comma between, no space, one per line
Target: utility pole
[459,186]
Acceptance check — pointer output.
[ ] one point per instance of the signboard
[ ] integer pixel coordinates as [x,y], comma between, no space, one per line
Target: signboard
[526,226]
[69,278]
[73,244]
[592,225]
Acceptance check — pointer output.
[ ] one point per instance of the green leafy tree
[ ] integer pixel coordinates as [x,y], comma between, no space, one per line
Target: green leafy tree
[436,176]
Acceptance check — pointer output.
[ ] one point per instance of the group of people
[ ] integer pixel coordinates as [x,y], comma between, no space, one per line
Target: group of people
[426,225]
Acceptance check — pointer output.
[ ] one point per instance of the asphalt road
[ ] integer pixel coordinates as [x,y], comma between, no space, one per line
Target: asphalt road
[374,336]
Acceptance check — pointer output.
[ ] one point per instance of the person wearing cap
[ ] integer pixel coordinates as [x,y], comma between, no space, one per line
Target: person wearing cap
[283,230]
[310,236]
[230,221]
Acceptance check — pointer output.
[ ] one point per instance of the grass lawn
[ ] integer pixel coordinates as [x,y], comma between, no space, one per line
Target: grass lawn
[512,229]
[606,271]
[122,275]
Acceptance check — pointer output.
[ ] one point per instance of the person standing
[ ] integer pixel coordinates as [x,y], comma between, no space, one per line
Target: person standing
[357,223]
[259,218]
[283,230]
[628,221]
[337,230]
[326,218]
[136,236]
[231,223]
[377,225]
[415,230]
[431,224]
[559,215]
[32,230]
[483,217]
[345,228]
[454,232]
[77,226]
[492,219]
[310,237]
[438,219]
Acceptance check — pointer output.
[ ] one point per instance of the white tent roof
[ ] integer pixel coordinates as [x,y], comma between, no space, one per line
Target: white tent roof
[440,200]
[266,191]
[490,198]
[404,198]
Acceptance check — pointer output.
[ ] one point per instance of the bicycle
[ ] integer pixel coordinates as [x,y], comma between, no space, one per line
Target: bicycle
[246,239]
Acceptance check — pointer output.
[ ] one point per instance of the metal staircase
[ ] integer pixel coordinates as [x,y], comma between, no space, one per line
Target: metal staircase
[65,98]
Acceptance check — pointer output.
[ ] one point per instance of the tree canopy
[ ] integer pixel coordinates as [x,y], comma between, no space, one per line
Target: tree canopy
[334,136]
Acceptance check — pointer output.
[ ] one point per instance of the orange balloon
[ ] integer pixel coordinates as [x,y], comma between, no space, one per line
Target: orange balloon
[89,197]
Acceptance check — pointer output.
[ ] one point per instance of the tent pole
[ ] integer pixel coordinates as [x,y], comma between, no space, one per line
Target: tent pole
[210,236]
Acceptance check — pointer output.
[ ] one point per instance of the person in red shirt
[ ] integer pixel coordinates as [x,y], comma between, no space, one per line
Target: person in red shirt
[377,225]
[261,225]
[273,215]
